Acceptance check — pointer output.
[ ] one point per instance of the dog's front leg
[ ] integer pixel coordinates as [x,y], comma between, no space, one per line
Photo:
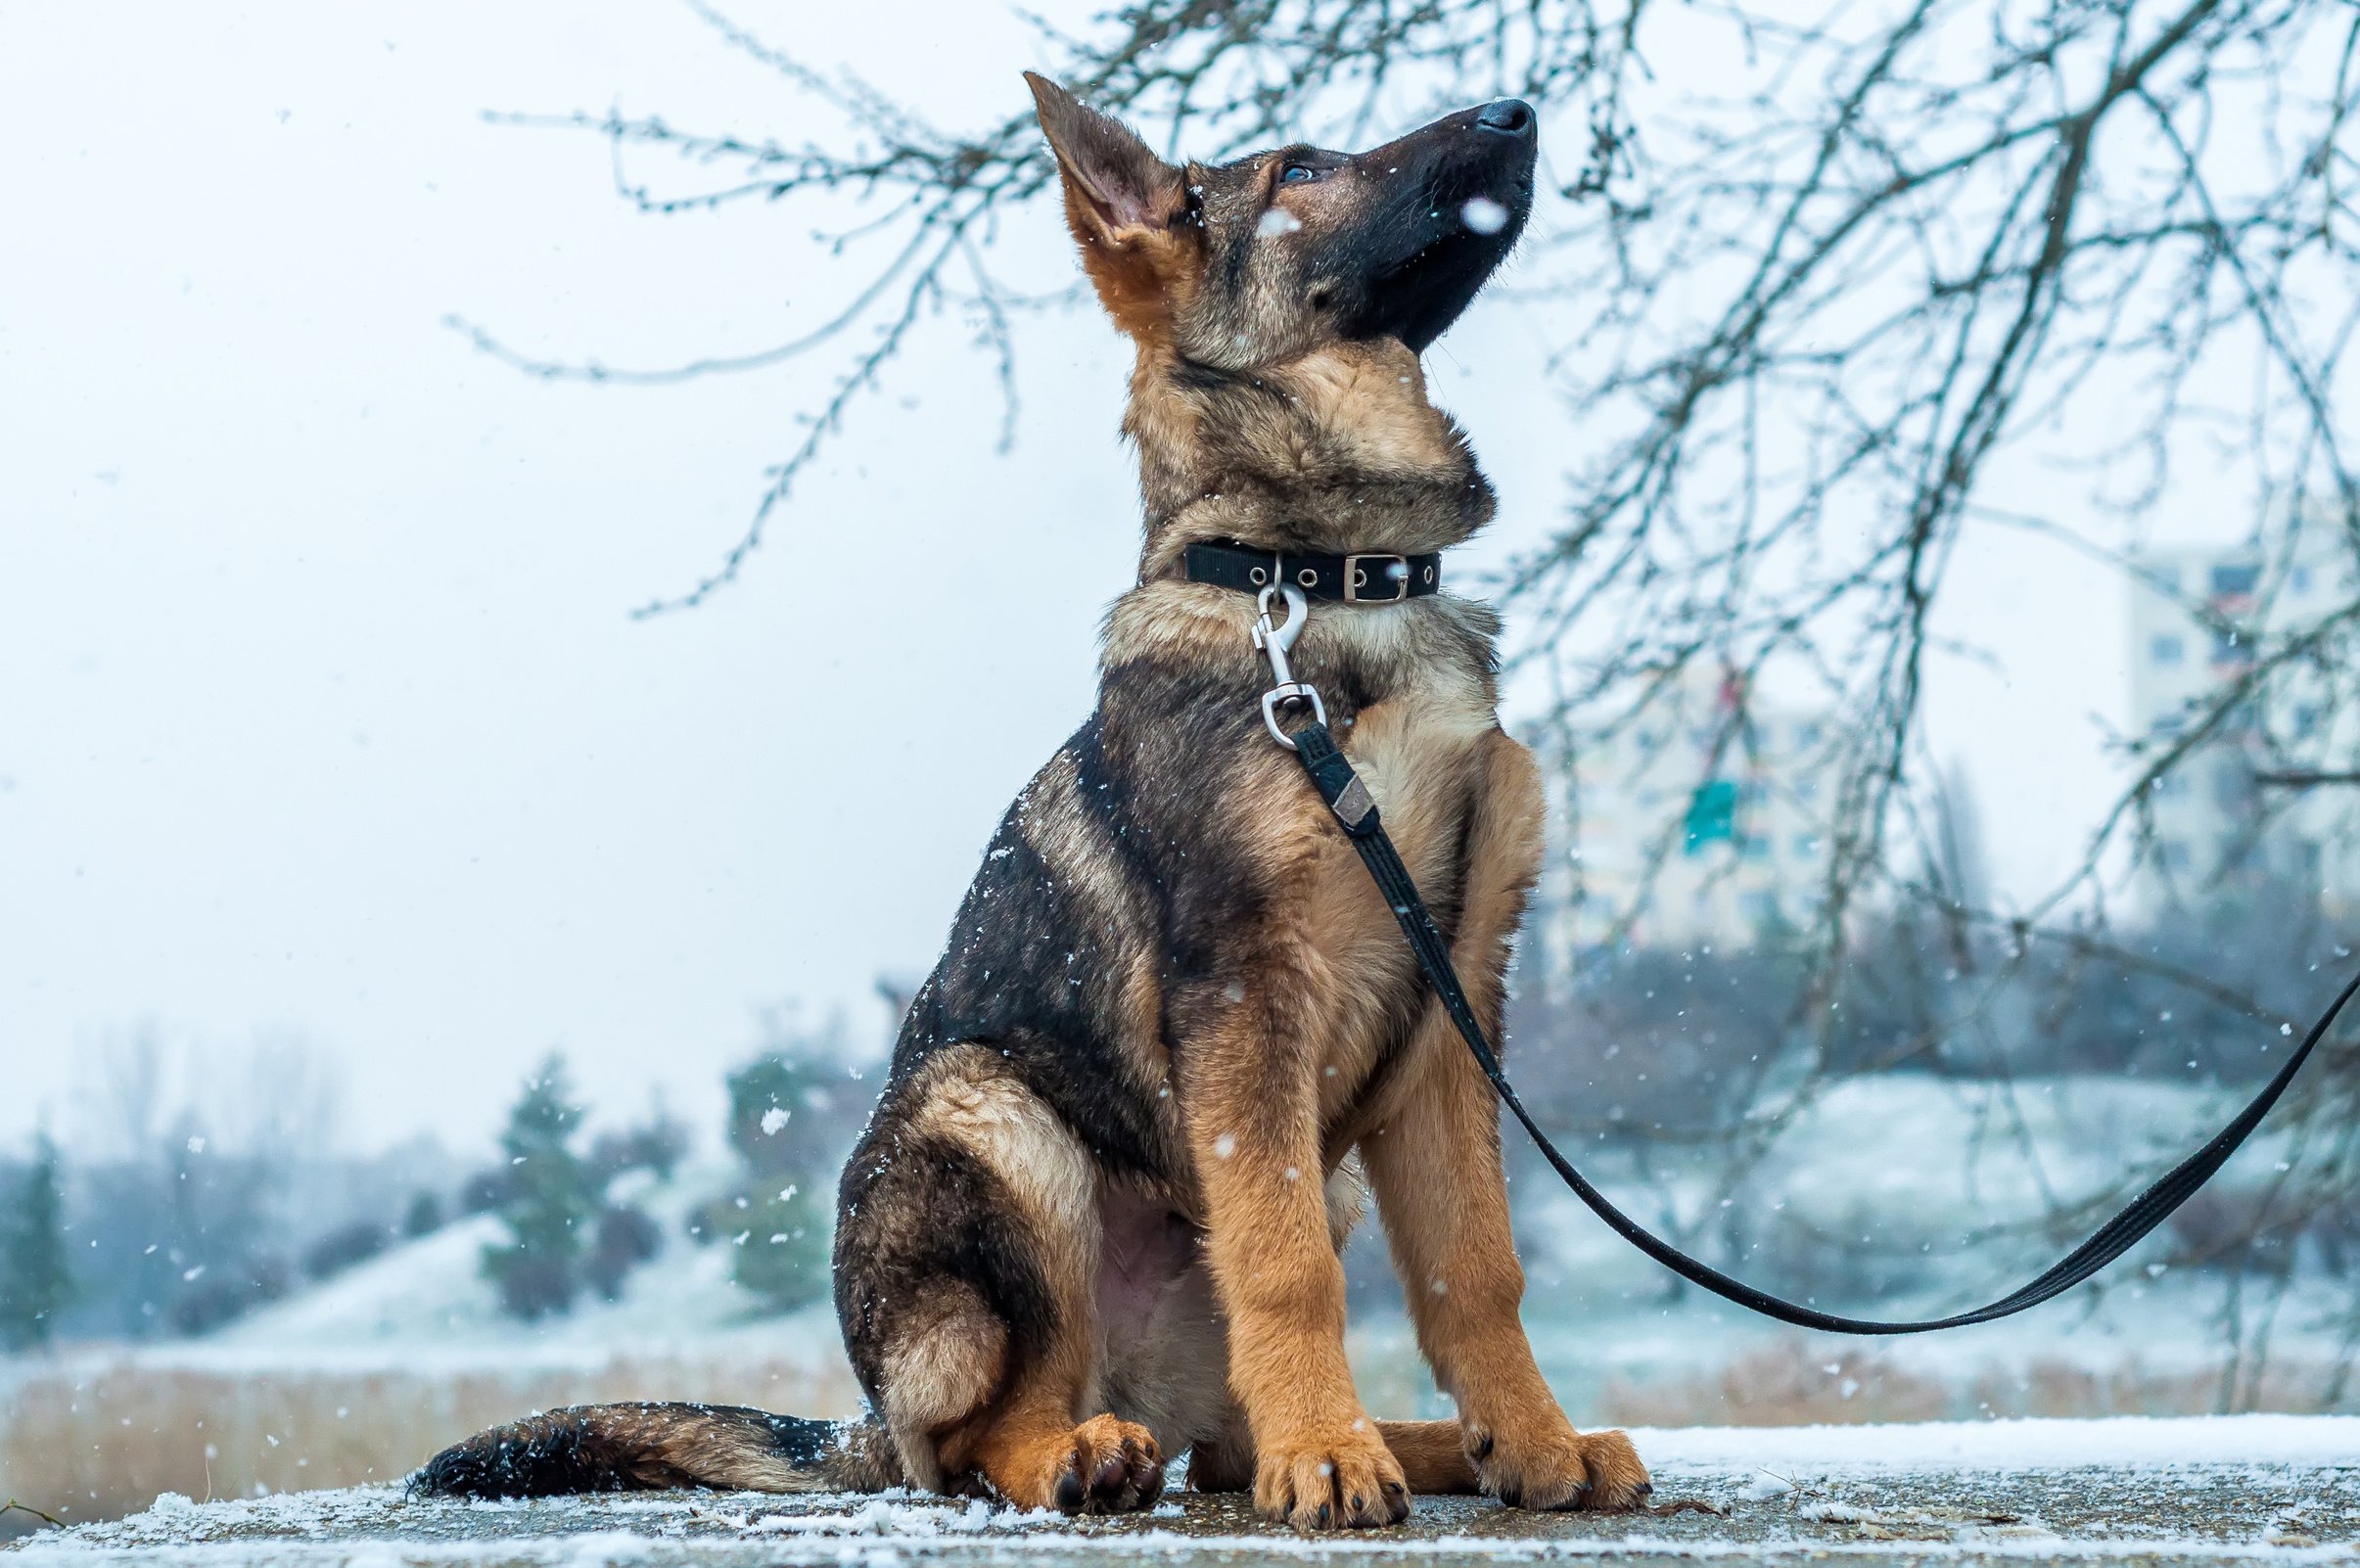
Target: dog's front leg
[1250,1108]
[1434,1162]
[1435,1167]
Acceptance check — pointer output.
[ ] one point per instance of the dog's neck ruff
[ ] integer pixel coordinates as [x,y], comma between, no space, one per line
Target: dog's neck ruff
[1366,578]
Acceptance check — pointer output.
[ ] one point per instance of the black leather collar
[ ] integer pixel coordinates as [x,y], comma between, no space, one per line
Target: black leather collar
[1364,577]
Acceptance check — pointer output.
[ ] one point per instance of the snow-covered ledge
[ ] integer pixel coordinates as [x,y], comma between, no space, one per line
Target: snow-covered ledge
[2197,1489]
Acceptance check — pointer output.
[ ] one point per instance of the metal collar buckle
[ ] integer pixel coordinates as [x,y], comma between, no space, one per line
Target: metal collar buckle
[1355,575]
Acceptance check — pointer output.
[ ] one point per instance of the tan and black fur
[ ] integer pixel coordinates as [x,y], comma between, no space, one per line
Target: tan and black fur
[1176,1035]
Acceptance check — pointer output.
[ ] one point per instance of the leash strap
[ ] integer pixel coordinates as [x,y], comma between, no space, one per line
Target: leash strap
[1332,774]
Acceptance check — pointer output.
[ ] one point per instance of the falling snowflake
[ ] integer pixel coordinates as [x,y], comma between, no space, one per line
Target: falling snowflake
[1483,216]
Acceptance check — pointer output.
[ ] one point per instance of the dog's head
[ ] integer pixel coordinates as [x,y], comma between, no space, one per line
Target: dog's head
[1275,255]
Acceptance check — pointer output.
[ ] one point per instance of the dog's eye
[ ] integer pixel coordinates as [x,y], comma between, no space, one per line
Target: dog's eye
[1297,174]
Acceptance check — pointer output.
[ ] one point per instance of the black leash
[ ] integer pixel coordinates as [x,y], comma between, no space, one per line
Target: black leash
[1331,773]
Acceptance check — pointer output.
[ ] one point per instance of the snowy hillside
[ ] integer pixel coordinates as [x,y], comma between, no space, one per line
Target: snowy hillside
[425,1305]
[1903,1195]
[1907,1192]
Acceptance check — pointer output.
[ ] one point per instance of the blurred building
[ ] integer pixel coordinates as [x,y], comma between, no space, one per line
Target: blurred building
[2198,615]
[1701,821]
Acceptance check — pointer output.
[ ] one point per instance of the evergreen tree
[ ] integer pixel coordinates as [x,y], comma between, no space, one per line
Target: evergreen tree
[552,1201]
[770,1122]
[780,1226]
[782,1246]
[625,1238]
[35,1282]
[425,1215]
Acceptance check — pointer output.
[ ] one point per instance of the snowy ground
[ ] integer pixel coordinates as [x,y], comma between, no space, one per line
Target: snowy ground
[2210,1489]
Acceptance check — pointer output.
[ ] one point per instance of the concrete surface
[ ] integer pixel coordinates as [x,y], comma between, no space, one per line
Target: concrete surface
[2190,1511]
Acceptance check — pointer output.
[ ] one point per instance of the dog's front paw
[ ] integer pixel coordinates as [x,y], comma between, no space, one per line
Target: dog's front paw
[1340,1480]
[1557,1467]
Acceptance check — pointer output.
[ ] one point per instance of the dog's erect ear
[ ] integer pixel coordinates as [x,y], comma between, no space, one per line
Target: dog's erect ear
[1115,189]
[1127,208]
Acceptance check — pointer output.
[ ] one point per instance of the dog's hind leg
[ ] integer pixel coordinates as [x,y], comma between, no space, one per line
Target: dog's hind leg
[966,1266]
[1432,1455]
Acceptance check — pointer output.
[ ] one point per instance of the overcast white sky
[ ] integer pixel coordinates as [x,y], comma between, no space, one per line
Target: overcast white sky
[320,711]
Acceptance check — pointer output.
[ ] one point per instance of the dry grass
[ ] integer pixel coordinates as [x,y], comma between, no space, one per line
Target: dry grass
[97,1443]
[2050,1388]
[1801,1382]
[1783,1385]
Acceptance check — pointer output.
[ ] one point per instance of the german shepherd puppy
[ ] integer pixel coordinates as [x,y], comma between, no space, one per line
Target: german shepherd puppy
[1095,1217]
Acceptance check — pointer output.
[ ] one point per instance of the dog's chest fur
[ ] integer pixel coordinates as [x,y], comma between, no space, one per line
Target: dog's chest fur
[1266,876]
[1418,746]
[1172,853]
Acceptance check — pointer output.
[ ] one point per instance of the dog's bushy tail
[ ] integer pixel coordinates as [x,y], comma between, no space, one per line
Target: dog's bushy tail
[650,1447]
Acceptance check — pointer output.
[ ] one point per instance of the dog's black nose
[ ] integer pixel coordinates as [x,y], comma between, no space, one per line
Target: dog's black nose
[1510,117]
